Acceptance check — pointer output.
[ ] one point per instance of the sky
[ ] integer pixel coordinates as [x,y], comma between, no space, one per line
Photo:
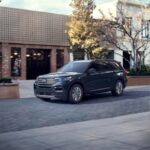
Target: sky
[53,6]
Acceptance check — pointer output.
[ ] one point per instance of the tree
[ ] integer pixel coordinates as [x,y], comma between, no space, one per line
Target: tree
[81,27]
[125,31]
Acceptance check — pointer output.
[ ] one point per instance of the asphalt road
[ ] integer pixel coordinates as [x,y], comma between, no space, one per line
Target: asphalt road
[22,114]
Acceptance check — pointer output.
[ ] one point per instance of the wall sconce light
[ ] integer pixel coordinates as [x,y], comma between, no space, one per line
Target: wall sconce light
[15,53]
[39,54]
[27,55]
[34,54]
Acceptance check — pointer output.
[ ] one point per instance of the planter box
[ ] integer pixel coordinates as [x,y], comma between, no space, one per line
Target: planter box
[138,80]
[9,91]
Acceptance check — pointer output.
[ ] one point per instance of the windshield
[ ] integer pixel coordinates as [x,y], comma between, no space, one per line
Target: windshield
[79,67]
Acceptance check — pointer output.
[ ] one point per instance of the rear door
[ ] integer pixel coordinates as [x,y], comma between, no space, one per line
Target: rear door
[92,78]
[105,74]
[101,79]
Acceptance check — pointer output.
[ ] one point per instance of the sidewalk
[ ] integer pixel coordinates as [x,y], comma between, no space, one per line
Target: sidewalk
[131,132]
[26,88]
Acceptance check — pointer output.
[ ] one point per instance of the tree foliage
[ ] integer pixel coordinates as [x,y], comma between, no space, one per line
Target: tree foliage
[82,27]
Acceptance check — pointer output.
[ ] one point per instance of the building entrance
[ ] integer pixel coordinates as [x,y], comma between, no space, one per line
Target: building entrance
[126,60]
[38,62]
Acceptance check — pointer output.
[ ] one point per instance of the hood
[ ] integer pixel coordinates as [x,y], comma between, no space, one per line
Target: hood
[59,74]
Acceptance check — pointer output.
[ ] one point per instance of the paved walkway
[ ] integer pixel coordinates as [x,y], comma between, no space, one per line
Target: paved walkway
[26,88]
[131,132]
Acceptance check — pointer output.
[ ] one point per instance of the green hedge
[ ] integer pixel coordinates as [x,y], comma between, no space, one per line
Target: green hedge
[145,71]
[5,80]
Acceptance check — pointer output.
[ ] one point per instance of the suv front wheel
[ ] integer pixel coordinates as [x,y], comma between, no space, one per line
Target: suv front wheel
[118,88]
[75,93]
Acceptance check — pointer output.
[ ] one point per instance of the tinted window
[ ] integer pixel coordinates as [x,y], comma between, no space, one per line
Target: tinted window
[109,65]
[80,67]
[117,66]
[103,66]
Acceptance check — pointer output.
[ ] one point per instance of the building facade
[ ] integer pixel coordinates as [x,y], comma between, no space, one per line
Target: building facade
[138,24]
[31,43]
[134,16]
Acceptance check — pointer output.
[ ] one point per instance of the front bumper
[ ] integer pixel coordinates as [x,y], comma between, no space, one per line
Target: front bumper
[50,91]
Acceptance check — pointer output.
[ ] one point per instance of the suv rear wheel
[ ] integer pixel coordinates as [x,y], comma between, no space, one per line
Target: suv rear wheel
[118,88]
[75,93]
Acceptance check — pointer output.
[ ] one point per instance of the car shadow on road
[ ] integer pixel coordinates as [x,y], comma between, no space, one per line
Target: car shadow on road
[107,97]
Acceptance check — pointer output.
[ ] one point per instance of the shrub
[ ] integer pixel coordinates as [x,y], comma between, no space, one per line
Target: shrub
[144,71]
[5,80]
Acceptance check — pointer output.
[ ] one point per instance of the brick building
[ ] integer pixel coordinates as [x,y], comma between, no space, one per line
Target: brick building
[31,43]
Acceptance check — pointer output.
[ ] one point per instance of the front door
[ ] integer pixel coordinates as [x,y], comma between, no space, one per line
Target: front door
[126,60]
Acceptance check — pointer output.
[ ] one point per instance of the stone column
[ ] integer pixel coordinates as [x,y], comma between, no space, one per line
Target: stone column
[6,60]
[71,56]
[53,60]
[23,63]
[66,56]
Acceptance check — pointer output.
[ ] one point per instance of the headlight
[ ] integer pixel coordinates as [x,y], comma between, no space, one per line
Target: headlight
[68,78]
[58,79]
[53,80]
[50,81]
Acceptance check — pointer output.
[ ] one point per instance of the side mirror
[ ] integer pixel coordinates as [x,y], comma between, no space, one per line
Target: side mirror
[91,71]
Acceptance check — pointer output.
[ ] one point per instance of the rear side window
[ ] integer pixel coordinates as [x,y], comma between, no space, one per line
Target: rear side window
[117,66]
[103,66]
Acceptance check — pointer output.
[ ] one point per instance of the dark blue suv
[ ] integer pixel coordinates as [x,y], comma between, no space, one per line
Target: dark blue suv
[79,78]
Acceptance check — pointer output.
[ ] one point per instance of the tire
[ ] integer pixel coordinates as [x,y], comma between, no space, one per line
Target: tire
[118,88]
[75,94]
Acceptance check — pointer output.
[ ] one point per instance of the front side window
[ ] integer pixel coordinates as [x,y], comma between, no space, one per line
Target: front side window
[15,62]
[79,67]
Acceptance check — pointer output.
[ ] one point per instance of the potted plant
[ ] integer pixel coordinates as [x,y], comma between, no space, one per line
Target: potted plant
[8,88]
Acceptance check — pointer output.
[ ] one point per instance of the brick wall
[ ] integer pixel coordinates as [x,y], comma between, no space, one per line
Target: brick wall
[5,60]
[32,27]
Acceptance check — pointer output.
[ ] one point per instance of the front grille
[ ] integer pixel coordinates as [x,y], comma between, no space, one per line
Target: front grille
[44,86]
[43,91]
[42,81]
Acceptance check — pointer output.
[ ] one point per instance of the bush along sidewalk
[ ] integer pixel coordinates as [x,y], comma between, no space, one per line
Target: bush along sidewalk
[144,71]
[5,80]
